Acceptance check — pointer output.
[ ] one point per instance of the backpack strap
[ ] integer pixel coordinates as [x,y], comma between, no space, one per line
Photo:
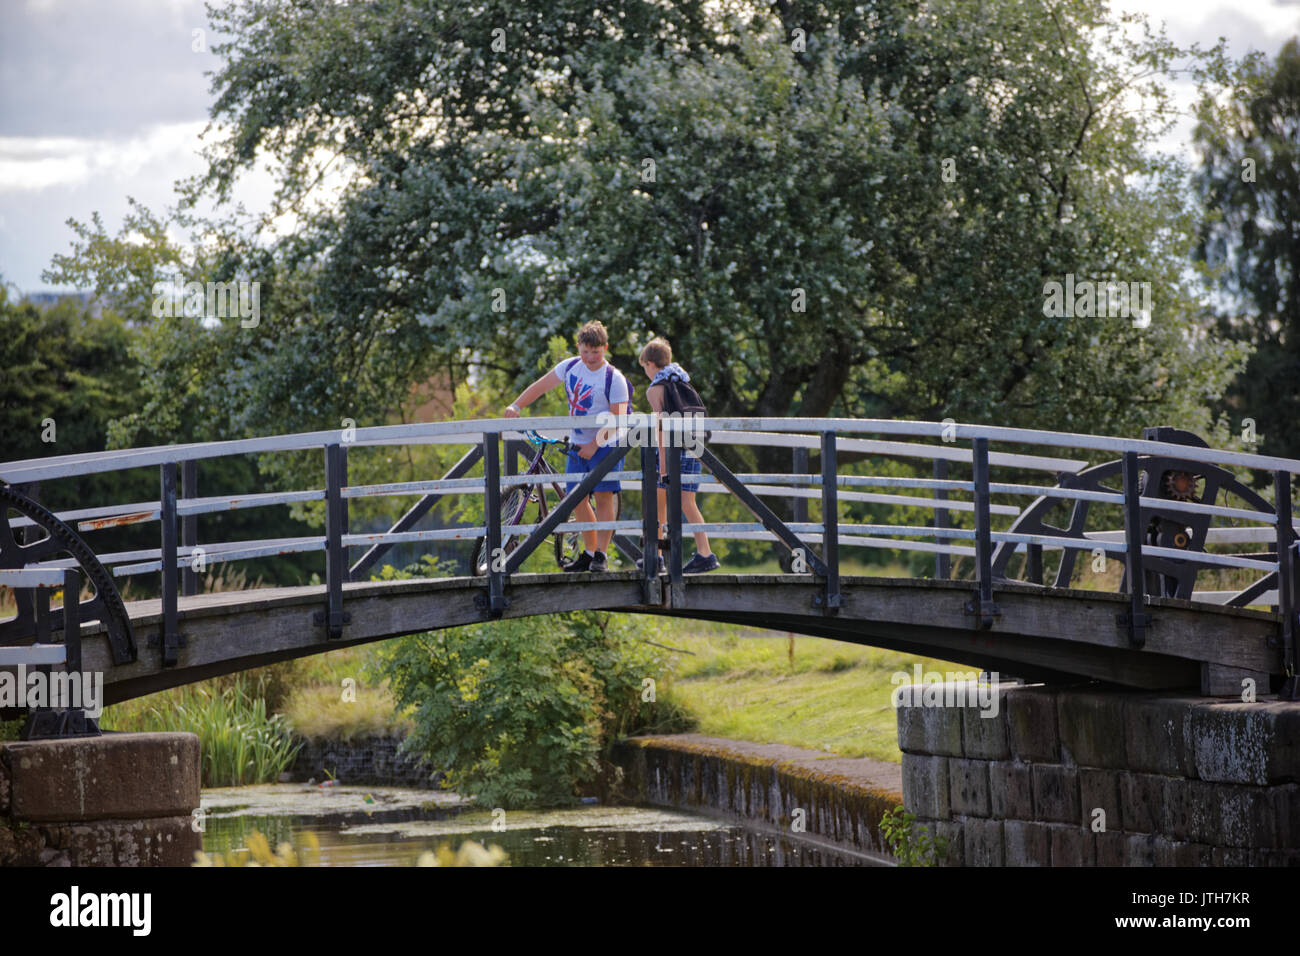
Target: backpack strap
[609,382]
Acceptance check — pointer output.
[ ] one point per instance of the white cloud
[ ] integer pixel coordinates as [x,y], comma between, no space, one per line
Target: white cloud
[35,163]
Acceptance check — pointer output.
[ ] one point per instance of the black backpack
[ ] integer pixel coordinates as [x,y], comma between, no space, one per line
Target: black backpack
[681,397]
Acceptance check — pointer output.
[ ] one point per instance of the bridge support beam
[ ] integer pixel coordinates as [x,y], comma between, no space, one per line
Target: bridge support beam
[982,606]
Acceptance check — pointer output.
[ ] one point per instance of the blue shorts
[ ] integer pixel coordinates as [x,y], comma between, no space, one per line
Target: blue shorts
[690,466]
[576,464]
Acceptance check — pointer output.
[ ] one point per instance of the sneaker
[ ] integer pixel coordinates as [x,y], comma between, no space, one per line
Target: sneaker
[659,565]
[581,563]
[599,561]
[700,564]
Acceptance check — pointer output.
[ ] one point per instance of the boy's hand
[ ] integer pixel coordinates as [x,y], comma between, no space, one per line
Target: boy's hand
[512,411]
[589,449]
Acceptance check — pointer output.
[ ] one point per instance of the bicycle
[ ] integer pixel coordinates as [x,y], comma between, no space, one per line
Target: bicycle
[514,503]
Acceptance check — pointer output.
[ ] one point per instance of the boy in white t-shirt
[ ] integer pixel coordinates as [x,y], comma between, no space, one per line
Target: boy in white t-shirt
[593,386]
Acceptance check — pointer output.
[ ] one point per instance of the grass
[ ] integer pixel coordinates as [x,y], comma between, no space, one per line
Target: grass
[770,687]
[240,741]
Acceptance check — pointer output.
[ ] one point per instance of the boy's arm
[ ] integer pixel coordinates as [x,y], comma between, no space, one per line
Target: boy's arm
[532,393]
[616,409]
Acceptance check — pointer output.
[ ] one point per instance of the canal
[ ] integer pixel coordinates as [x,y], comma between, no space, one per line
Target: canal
[390,826]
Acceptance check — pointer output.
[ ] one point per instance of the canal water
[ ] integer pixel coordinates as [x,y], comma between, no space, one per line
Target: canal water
[390,826]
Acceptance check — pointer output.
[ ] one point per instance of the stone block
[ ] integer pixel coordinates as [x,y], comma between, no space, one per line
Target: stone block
[1275,858]
[1099,789]
[1178,853]
[925,786]
[1026,843]
[983,841]
[4,784]
[1011,790]
[1071,845]
[954,847]
[1232,856]
[1140,849]
[1111,847]
[927,730]
[164,841]
[1092,728]
[1142,797]
[1154,737]
[1031,723]
[969,780]
[1056,793]
[116,776]
[1246,817]
[1192,811]
[985,737]
[1244,743]
[1285,801]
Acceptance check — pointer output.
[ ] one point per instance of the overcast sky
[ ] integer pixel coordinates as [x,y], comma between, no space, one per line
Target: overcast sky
[104,99]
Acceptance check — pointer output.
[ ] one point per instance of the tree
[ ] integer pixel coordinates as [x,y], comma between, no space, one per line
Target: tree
[1249,182]
[907,174]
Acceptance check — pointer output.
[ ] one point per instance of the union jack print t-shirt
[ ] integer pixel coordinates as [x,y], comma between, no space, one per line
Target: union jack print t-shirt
[586,393]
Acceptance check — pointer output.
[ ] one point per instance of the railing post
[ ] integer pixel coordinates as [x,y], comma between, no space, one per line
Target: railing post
[72,620]
[942,561]
[496,578]
[982,606]
[650,590]
[1136,620]
[189,527]
[676,586]
[830,524]
[336,526]
[1286,585]
[170,639]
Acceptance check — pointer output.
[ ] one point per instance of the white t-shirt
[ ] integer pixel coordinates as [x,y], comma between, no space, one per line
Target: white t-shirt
[585,390]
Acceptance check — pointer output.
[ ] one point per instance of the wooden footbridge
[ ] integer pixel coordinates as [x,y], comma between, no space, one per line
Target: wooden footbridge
[1166,507]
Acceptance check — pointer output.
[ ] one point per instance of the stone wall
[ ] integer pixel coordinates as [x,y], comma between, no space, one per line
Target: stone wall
[838,801]
[366,760]
[115,800]
[1077,776]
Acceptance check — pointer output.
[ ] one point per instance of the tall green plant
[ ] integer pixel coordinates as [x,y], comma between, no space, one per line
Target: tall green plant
[518,712]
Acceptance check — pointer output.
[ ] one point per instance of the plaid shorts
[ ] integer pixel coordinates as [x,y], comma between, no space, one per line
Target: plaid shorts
[690,466]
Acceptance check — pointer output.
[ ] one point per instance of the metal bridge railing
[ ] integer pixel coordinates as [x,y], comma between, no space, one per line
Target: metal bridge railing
[1135,477]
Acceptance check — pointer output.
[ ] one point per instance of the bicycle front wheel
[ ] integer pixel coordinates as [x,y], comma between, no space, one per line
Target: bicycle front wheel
[512,511]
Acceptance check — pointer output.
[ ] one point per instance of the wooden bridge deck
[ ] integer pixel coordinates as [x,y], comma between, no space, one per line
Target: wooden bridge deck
[1041,633]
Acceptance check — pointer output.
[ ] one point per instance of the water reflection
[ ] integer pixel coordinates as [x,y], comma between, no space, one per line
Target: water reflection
[585,836]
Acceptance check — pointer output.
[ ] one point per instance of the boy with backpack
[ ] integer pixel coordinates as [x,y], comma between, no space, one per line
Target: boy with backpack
[594,387]
[670,392]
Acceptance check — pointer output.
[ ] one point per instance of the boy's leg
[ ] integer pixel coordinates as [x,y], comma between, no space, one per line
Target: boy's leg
[583,512]
[605,511]
[576,464]
[691,511]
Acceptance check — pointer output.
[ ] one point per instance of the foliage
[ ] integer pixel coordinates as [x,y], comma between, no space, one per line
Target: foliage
[459,203]
[519,711]
[307,853]
[1249,182]
[240,742]
[913,845]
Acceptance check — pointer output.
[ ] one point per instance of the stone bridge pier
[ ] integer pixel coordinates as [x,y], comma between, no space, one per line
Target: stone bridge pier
[1042,775]
[114,800]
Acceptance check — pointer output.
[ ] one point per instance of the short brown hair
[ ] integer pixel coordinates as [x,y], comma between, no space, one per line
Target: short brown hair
[593,334]
[657,352]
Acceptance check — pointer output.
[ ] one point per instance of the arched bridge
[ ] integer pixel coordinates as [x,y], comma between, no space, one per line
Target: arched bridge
[1015,508]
